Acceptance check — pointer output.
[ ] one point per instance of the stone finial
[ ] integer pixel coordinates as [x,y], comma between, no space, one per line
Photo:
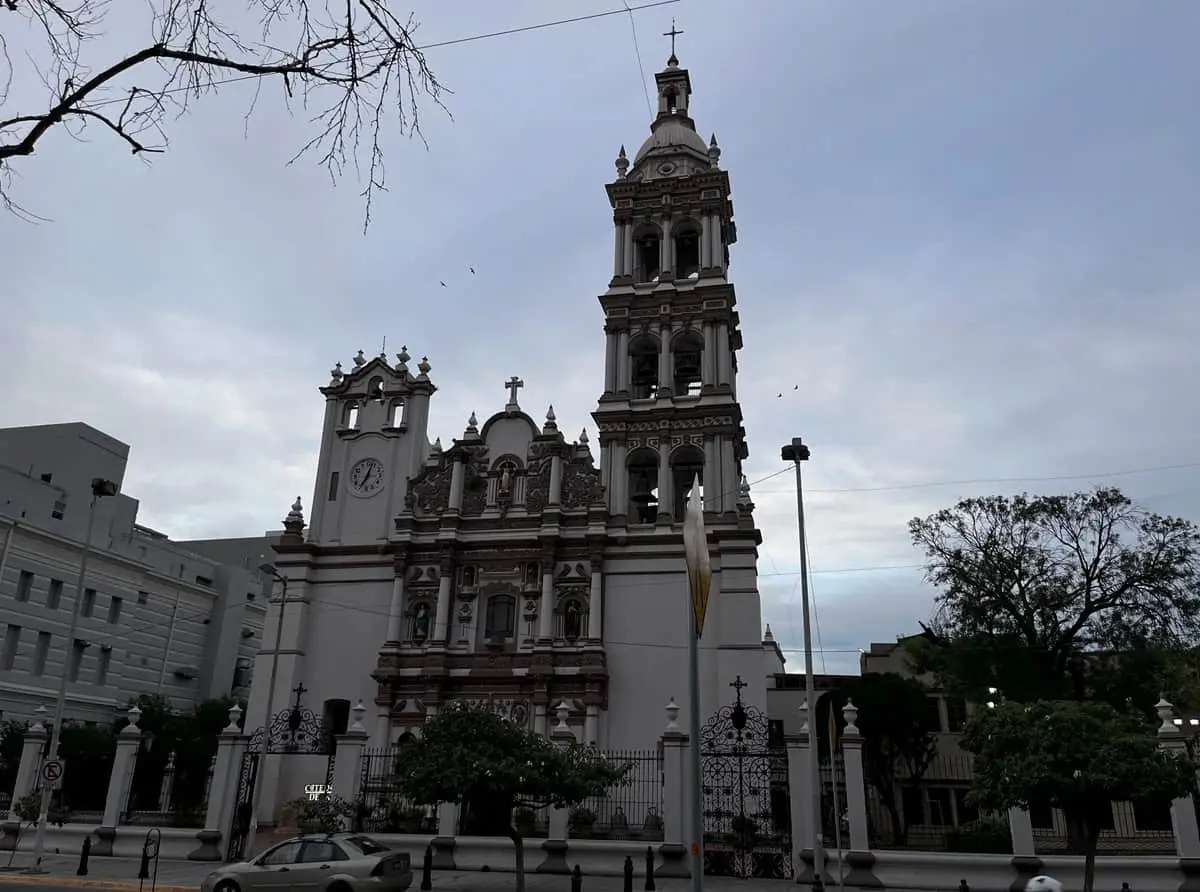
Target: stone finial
[132,729]
[672,711]
[39,720]
[803,710]
[336,375]
[424,367]
[294,522]
[402,359]
[472,430]
[714,152]
[850,714]
[359,359]
[437,445]
[767,636]
[235,720]
[561,712]
[551,425]
[622,163]
[583,437]
[356,726]
[1166,715]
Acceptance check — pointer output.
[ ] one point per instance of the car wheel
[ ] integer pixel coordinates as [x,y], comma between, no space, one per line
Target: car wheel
[227,886]
[338,886]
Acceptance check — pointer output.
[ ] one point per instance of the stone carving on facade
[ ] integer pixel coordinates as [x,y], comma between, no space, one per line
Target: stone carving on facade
[581,485]
[572,569]
[422,573]
[513,709]
[577,591]
[537,486]
[430,491]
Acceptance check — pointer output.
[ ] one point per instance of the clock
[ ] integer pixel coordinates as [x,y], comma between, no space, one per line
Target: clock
[366,477]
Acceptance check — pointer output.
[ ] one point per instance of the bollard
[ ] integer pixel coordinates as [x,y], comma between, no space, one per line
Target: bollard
[963,887]
[84,854]
[576,879]
[627,886]
[427,869]
[649,869]
[1125,888]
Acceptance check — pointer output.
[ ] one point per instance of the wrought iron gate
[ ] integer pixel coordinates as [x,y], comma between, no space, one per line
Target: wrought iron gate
[295,731]
[747,827]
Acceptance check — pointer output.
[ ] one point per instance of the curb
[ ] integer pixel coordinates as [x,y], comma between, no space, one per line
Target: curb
[18,879]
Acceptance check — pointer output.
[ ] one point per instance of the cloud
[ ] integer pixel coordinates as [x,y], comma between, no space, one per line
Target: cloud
[966,253]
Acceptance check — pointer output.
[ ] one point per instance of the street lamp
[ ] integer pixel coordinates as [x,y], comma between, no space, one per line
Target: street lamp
[101,488]
[797,452]
[269,570]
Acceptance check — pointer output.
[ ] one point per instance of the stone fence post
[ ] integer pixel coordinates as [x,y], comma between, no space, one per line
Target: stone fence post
[129,740]
[32,747]
[673,850]
[1183,813]
[222,790]
[859,859]
[555,845]
[799,751]
[347,760]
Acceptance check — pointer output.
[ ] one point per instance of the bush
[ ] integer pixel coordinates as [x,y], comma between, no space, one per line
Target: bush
[29,808]
[986,836]
[326,814]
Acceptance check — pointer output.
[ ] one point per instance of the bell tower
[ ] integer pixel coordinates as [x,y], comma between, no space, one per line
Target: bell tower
[669,410]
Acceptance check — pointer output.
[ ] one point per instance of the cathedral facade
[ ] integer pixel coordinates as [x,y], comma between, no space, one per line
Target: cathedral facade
[516,568]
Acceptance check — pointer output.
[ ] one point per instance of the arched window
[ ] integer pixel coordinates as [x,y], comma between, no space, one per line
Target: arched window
[643,486]
[350,416]
[647,253]
[375,389]
[687,249]
[687,351]
[687,463]
[500,621]
[643,367]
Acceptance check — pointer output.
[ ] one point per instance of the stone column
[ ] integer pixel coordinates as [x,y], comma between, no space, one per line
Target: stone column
[674,847]
[665,498]
[714,498]
[667,253]
[591,726]
[539,720]
[554,497]
[705,241]
[666,385]
[623,362]
[718,254]
[800,796]
[859,859]
[395,626]
[724,357]
[708,362]
[222,791]
[595,622]
[546,610]
[32,747]
[619,479]
[441,625]
[618,249]
[628,251]
[115,804]
[555,845]
[1183,812]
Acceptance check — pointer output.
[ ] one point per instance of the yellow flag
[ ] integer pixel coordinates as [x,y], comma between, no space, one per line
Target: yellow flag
[833,731]
[695,550]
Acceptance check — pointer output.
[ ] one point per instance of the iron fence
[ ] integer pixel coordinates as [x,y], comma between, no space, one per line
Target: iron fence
[173,793]
[630,810]
[381,807]
[1126,828]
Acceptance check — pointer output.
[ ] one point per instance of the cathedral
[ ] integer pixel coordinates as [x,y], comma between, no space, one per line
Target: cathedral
[517,569]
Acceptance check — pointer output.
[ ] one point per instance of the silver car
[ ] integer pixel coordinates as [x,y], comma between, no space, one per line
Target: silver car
[336,862]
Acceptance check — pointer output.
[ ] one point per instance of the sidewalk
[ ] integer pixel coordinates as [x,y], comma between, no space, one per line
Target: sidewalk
[103,873]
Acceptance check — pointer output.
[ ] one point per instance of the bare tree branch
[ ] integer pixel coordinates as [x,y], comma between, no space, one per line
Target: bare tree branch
[352,64]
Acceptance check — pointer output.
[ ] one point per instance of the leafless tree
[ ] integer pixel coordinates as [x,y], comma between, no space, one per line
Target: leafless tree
[351,64]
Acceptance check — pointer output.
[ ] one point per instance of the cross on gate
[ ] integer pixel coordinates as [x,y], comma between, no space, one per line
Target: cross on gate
[737,684]
[513,384]
[300,690]
[672,34]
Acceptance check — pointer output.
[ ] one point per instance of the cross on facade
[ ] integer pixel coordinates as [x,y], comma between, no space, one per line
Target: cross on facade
[673,33]
[737,684]
[513,384]
[300,690]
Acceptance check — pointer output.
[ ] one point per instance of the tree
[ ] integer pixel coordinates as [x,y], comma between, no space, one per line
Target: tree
[491,767]
[898,744]
[1078,757]
[350,65]
[1049,597]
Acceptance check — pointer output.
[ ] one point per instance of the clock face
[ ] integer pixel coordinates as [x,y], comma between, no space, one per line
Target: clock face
[366,477]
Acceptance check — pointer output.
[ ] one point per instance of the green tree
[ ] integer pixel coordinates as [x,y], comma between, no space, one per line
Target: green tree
[12,742]
[898,743]
[87,751]
[1078,757]
[491,767]
[1058,597]
[354,65]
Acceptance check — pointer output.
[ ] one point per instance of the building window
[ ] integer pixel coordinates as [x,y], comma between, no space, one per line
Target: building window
[397,414]
[40,652]
[102,666]
[775,733]
[956,714]
[114,610]
[532,575]
[24,585]
[12,643]
[350,417]
[501,617]
[57,511]
[143,598]
[931,718]
[54,594]
[88,607]
[204,580]
[334,479]
[75,660]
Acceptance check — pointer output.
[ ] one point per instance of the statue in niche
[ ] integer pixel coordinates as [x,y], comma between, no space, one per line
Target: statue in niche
[572,622]
[506,474]
[420,627]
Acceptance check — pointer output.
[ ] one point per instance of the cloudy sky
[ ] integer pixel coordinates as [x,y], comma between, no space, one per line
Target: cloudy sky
[967,232]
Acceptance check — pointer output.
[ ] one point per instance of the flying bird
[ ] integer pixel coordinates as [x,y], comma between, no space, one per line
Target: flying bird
[443,284]
[472,269]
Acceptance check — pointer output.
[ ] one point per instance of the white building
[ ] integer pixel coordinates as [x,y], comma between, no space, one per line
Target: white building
[157,617]
[514,567]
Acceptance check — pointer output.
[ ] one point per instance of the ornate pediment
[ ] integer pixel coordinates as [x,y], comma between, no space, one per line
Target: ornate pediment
[429,492]
[581,486]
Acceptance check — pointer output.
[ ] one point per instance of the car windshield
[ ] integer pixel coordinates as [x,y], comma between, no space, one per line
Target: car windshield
[366,845]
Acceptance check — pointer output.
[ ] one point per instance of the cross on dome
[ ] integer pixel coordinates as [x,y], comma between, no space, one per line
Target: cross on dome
[513,384]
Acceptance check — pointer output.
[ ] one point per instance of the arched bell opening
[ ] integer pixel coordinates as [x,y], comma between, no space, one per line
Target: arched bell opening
[643,367]
[643,486]
[647,253]
[687,466]
[687,249]
[687,353]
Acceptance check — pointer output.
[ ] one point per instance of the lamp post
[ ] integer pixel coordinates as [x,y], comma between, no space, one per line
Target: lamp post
[796,452]
[270,570]
[101,488]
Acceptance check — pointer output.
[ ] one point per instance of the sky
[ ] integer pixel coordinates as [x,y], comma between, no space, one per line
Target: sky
[965,265]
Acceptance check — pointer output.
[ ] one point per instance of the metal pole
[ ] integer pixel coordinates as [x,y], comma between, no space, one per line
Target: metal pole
[266,727]
[797,452]
[697,796]
[162,672]
[39,840]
